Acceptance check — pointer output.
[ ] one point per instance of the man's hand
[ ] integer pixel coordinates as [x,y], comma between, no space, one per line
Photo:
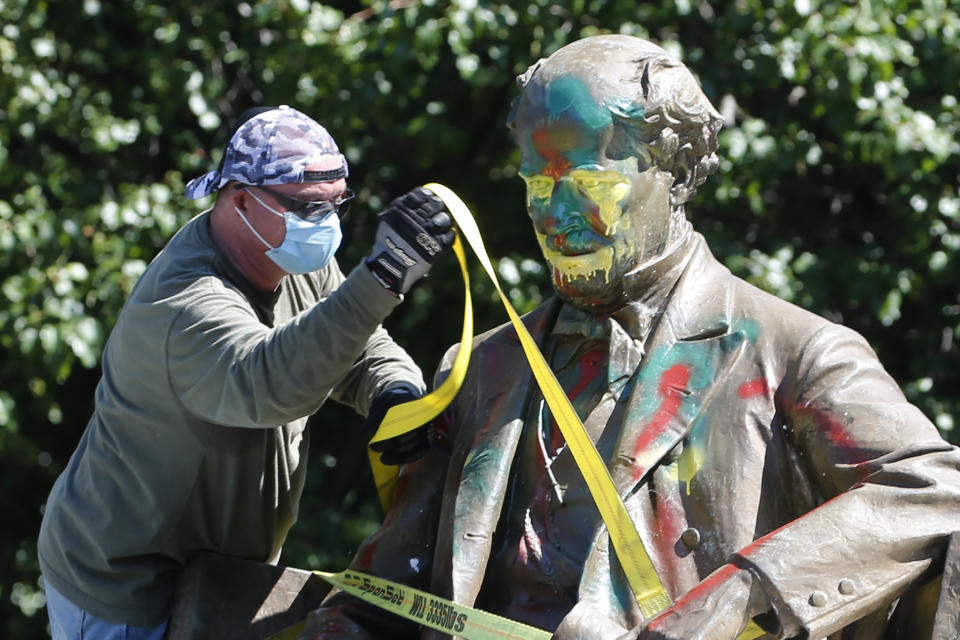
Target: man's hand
[716,609]
[414,230]
[406,447]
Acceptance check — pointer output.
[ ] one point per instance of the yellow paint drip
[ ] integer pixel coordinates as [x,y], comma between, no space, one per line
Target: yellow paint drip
[607,189]
[539,187]
[584,266]
[689,464]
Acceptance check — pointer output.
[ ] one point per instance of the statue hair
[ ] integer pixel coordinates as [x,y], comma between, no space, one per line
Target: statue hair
[660,110]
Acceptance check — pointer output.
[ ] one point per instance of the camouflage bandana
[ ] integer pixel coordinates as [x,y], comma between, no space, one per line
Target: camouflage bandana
[272,147]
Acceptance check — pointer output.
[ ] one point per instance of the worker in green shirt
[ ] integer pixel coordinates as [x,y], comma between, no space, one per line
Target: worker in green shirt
[238,331]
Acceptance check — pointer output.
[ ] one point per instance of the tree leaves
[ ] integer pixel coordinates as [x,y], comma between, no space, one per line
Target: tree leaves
[837,188]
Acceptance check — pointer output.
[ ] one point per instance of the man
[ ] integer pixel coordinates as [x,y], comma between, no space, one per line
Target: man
[236,333]
[773,470]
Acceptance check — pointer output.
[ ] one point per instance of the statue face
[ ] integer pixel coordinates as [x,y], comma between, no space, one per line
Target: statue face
[596,219]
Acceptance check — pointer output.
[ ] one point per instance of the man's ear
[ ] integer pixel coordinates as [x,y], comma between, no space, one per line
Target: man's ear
[683,168]
[236,196]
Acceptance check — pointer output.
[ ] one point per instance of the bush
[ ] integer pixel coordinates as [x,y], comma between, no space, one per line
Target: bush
[838,187]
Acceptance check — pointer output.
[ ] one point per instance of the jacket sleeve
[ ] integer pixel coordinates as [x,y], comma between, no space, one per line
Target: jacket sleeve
[228,368]
[894,482]
[383,364]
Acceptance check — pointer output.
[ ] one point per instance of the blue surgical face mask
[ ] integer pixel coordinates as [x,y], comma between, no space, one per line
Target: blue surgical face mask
[306,247]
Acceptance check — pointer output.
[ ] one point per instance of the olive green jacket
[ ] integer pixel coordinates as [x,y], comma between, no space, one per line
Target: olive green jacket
[198,439]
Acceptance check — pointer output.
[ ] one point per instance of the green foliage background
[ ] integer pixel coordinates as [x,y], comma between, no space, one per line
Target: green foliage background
[837,189]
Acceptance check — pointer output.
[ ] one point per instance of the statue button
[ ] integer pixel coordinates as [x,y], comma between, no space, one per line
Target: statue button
[691,538]
[818,599]
[846,587]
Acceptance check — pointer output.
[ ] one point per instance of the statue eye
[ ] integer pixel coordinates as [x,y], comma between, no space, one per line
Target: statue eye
[539,187]
[590,183]
[589,186]
[600,186]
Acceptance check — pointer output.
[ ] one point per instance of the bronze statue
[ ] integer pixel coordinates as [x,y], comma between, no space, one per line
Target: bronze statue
[773,469]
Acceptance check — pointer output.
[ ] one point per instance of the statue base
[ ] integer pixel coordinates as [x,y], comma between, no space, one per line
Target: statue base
[223,597]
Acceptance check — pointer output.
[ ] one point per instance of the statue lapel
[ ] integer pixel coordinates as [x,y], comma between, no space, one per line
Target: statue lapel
[688,355]
[498,423]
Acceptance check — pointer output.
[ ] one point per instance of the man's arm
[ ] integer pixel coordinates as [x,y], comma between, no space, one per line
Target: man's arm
[382,365]
[229,368]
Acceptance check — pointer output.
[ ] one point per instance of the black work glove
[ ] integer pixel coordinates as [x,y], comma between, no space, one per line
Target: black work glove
[414,230]
[406,447]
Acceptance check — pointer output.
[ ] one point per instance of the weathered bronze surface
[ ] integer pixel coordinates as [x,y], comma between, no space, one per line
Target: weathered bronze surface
[770,464]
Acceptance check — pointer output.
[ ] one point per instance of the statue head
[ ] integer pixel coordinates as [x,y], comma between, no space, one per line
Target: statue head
[615,135]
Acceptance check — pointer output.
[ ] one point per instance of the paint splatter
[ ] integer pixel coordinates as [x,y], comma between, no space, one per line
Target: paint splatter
[707,586]
[671,388]
[755,387]
[606,190]
[689,463]
[365,559]
[588,367]
[827,425]
[583,266]
[557,163]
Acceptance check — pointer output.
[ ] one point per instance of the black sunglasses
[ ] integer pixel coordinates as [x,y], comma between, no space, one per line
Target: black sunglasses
[315,211]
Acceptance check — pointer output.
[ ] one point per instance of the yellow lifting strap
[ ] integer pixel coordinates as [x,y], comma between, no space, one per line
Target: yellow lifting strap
[424,608]
[403,417]
[637,566]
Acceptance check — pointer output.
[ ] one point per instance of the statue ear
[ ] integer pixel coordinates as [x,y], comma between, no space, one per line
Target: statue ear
[683,167]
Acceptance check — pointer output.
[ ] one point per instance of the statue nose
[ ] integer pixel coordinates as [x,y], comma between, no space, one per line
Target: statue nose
[553,220]
[559,214]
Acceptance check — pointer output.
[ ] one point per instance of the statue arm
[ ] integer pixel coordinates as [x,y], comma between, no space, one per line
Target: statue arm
[716,609]
[894,482]
[893,489]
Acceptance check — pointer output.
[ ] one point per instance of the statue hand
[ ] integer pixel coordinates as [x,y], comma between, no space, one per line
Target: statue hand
[716,609]
[583,622]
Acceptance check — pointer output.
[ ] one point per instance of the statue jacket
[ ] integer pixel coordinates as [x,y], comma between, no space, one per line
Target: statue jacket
[753,432]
